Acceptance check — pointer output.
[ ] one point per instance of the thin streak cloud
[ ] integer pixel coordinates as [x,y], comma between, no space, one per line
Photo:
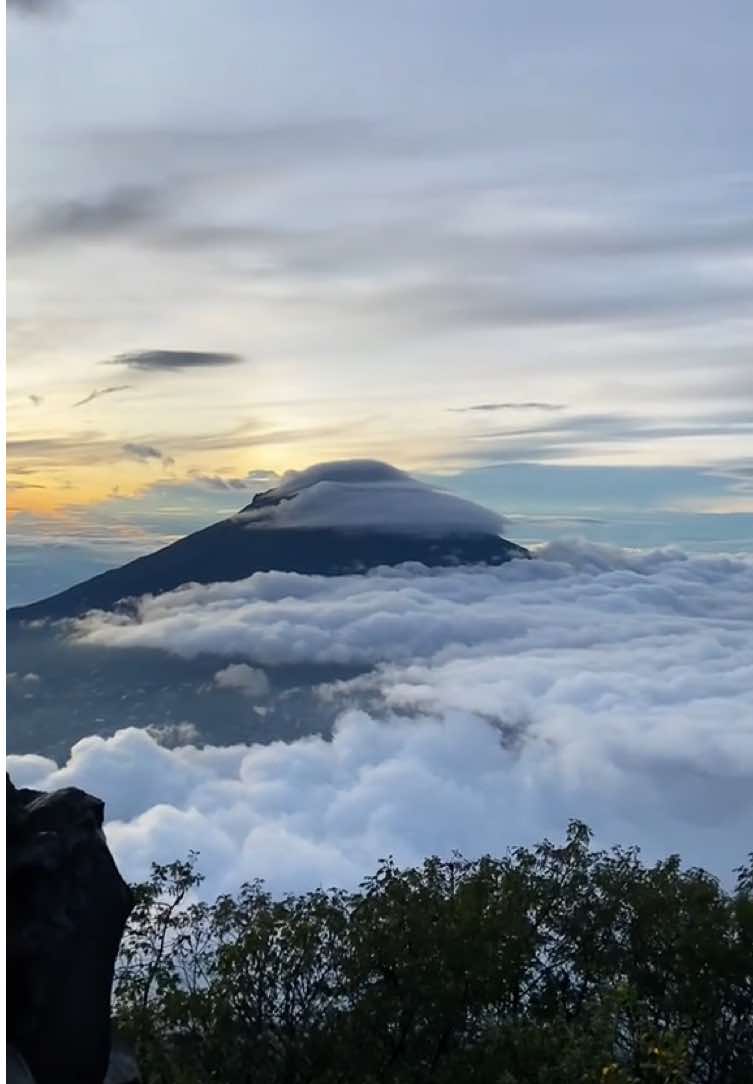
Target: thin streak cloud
[490,407]
[99,392]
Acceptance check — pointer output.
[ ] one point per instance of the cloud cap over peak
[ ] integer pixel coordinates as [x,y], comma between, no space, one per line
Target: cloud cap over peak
[174,360]
[366,493]
[354,471]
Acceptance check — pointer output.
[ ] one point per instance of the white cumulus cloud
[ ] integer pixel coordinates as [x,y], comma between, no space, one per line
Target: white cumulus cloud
[244,678]
[494,704]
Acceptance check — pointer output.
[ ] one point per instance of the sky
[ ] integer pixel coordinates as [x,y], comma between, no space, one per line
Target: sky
[505,245]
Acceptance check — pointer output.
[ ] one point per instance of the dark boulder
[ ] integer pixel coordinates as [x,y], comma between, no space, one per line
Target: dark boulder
[67,908]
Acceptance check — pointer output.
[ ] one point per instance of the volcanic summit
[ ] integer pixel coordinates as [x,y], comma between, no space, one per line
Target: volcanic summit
[331,519]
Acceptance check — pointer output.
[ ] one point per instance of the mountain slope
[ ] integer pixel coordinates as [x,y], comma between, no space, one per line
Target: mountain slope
[332,519]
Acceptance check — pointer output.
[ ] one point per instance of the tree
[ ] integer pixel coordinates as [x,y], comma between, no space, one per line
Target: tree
[551,963]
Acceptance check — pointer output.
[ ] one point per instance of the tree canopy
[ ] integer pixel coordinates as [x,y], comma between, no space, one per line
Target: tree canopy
[556,963]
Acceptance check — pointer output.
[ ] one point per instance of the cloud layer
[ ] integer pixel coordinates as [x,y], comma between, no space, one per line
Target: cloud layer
[495,704]
[536,227]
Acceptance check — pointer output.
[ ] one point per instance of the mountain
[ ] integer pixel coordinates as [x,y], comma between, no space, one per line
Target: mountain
[331,519]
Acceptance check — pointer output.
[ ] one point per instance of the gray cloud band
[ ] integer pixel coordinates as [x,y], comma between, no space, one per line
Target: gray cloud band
[173,360]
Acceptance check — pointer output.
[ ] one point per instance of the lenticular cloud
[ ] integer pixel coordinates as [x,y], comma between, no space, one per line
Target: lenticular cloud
[366,494]
[493,705]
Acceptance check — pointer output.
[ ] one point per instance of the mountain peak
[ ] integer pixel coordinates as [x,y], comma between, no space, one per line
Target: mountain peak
[331,519]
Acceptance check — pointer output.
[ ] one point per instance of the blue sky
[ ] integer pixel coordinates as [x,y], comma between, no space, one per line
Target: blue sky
[245,237]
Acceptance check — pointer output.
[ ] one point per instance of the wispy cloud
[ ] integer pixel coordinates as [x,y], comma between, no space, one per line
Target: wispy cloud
[252,480]
[99,392]
[489,407]
[117,211]
[89,447]
[214,481]
[79,449]
[84,449]
[34,7]
[145,452]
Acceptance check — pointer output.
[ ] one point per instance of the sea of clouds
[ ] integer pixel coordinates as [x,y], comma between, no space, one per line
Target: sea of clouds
[493,705]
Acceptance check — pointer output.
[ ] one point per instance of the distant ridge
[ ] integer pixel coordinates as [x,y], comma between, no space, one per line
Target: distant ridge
[332,519]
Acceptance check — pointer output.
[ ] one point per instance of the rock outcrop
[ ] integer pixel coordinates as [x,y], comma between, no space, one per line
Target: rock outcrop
[67,908]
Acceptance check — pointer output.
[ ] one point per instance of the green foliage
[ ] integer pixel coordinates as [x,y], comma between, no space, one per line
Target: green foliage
[556,964]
